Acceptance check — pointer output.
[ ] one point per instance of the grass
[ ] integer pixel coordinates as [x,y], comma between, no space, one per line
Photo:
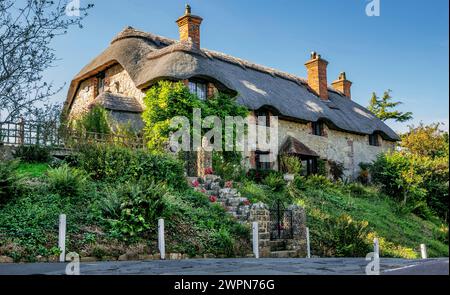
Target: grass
[32,170]
[400,234]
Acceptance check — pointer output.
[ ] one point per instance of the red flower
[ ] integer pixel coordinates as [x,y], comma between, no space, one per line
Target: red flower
[209,170]
[229,184]
[212,199]
[247,202]
[195,183]
[203,190]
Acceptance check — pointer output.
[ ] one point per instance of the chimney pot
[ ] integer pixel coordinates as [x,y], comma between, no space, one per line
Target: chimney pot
[343,85]
[317,75]
[189,27]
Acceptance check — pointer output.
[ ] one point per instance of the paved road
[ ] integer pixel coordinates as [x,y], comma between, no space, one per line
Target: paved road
[314,266]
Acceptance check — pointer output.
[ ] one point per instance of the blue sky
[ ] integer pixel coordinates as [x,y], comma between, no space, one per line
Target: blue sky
[405,49]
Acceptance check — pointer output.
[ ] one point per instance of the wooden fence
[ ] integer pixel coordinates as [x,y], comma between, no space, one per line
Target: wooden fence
[58,136]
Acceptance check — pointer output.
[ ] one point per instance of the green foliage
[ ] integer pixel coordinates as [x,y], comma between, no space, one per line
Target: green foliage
[321,167]
[275,181]
[255,192]
[419,183]
[426,140]
[258,175]
[399,233]
[345,237]
[384,108]
[67,181]
[167,100]
[290,164]
[133,209]
[228,165]
[32,170]
[114,163]
[364,172]
[336,170]
[95,120]
[9,180]
[33,154]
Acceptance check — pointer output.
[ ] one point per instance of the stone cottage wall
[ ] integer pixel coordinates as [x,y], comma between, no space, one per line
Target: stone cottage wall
[117,80]
[347,148]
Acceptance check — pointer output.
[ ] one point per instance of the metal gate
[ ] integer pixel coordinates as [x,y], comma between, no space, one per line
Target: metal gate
[281,222]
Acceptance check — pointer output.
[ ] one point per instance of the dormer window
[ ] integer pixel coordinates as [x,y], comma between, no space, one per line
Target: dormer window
[373,139]
[199,88]
[317,128]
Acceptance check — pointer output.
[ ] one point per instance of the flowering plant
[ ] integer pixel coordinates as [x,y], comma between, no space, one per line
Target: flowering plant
[209,170]
[212,199]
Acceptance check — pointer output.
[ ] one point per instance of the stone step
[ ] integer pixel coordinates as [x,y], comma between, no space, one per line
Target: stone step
[283,254]
[278,245]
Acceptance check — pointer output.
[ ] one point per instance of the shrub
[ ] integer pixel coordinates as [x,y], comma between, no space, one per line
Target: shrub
[336,170]
[346,237]
[417,182]
[228,165]
[222,241]
[275,181]
[9,180]
[290,164]
[114,163]
[67,181]
[318,181]
[140,206]
[364,172]
[255,192]
[96,120]
[33,154]
[257,175]
[321,167]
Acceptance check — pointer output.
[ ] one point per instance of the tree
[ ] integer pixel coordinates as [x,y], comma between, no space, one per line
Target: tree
[426,140]
[384,108]
[27,29]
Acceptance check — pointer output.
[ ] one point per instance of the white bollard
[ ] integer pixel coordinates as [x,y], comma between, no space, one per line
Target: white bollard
[62,237]
[376,248]
[255,228]
[161,241]
[308,245]
[423,251]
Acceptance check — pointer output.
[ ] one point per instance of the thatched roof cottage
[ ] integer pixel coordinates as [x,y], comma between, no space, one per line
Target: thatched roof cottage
[316,120]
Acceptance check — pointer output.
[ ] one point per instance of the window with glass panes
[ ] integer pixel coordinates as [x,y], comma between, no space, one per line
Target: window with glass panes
[199,88]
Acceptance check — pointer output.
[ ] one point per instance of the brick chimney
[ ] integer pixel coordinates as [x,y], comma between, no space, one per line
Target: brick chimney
[189,27]
[343,85]
[316,68]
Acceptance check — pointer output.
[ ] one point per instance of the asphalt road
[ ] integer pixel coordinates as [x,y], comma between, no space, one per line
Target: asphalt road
[288,266]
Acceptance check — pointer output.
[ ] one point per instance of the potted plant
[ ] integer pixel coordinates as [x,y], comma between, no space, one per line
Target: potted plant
[291,166]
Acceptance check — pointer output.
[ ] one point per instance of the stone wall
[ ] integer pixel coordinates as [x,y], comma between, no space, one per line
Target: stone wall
[347,148]
[117,80]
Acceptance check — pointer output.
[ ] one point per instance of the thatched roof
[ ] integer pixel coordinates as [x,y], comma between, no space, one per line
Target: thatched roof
[148,58]
[118,102]
[294,147]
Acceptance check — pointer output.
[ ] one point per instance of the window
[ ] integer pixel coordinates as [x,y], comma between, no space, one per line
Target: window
[263,113]
[373,140]
[100,83]
[199,88]
[309,166]
[261,162]
[317,128]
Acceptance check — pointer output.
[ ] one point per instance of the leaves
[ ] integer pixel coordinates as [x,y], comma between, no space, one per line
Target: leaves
[384,108]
